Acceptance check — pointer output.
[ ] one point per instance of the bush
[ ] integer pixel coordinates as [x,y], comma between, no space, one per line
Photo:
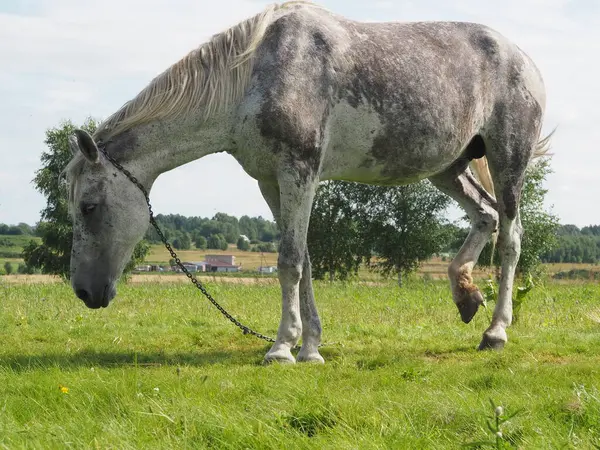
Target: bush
[265,247]
[24,269]
[243,244]
[200,243]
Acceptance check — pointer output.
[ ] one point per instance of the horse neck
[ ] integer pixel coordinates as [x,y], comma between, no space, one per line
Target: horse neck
[167,145]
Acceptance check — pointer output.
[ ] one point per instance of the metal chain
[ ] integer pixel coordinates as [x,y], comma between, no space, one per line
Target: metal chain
[244,328]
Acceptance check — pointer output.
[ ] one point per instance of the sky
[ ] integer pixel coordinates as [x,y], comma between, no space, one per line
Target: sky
[72,59]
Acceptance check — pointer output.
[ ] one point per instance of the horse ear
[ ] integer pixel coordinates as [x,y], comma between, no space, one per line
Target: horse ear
[87,145]
[73,145]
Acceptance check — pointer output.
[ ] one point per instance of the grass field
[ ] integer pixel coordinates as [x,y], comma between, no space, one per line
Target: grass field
[160,368]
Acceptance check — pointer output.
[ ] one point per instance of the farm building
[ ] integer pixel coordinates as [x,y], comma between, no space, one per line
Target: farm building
[213,263]
[221,263]
[149,268]
[192,266]
[267,269]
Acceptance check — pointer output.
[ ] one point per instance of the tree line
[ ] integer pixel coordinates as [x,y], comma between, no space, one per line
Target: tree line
[17,230]
[216,232]
[575,245]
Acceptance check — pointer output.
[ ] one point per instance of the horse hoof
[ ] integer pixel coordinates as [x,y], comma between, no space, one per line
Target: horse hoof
[469,304]
[310,357]
[493,342]
[281,357]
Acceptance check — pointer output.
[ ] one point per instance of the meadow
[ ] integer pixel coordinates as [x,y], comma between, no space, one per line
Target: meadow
[161,368]
[11,248]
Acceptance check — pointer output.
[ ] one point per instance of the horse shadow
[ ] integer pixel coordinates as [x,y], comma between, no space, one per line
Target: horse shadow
[120,359]
[88,358]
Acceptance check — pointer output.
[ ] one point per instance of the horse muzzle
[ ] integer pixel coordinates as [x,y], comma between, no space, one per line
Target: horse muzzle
[95,297]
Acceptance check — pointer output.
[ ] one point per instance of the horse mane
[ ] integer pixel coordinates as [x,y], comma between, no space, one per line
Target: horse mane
[209,77]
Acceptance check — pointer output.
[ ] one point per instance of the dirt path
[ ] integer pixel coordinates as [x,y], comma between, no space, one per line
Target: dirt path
[50,279]
[156,278]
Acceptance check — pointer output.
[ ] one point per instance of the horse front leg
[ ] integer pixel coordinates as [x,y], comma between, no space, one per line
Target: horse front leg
[311,324]
[296,197]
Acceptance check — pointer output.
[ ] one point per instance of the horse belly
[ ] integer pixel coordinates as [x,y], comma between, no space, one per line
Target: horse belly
[360,147]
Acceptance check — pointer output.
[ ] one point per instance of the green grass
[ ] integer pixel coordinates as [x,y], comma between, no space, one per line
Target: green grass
[12,246]
[160,368]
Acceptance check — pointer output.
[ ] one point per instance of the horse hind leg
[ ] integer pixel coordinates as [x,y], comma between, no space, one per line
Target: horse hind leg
[459,183]
[511,141]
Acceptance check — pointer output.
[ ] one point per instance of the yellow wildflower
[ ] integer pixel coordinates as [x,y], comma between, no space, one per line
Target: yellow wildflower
[63,389]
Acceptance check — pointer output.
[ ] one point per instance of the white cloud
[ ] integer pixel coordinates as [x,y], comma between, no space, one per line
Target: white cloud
[73,58]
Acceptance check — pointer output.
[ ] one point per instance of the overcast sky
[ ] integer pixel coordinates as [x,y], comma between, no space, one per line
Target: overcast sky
[70,59]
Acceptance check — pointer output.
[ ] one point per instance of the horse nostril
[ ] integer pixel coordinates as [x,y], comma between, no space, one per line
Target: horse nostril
[83,294]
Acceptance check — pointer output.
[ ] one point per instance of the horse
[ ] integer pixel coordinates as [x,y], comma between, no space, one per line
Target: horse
[298,94]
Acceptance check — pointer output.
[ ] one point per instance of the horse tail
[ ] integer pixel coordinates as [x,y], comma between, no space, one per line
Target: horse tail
[482,172]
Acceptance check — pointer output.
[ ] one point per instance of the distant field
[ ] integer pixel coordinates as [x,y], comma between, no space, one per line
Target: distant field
[436,268]
[13,245]
[11,248]
[249,260]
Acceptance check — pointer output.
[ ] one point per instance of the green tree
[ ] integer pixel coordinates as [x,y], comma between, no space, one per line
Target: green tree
[200,242]
[265,247]
[248,227]
[217,242]
[243,244]
[540,226]
[334,235]
[405,226]
[53,254]
[182,241]
[224,244]
[8,268]
[400,226]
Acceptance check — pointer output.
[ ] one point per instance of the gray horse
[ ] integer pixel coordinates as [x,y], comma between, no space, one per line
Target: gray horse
[297,95]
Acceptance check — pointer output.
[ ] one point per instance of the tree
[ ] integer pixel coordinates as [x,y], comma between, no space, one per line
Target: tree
[53,255]
[334,236]
[243,244]
[224,244]
[8,267]
[26,229]
[265,247]
[540,226]
[248,227]
[352,222]
[182,241]
[405,226]
[217,242]
[200,242]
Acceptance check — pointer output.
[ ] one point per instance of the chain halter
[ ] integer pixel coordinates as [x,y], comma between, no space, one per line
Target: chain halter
[246,330]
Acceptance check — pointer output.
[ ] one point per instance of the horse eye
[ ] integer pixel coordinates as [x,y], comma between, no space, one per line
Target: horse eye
[87,208]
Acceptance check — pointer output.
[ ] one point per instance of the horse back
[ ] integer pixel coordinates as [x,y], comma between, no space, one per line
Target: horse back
[399,97]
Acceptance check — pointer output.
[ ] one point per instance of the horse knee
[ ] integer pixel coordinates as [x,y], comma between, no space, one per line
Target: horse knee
[488,221]
[509,240]
[290,269]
